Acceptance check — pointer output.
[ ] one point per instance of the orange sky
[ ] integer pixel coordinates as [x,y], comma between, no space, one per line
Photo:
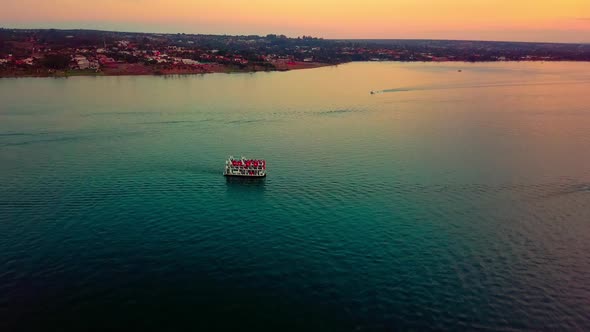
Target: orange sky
[532,20]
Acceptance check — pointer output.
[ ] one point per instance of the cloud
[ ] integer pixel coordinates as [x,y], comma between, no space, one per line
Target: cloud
[583,18]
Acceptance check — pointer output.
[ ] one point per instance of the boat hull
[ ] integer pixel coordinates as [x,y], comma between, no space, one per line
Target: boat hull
[244,176]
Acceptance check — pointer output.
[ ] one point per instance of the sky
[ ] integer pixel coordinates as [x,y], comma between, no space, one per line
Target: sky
[510,20]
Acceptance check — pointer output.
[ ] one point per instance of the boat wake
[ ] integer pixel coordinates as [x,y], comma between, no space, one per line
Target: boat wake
[477,86]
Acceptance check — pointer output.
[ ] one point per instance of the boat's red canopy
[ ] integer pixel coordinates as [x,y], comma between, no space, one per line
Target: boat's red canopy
[247,163]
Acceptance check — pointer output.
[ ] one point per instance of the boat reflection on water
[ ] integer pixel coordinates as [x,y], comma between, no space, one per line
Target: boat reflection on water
[245,181]
[245,188]
[241,187]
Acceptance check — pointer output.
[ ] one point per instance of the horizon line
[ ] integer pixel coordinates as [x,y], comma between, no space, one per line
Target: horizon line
[277,34]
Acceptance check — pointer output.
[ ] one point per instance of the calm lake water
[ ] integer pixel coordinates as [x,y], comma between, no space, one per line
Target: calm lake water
[446,200]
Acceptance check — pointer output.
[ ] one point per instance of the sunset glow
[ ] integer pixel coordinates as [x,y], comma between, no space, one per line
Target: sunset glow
[544,20]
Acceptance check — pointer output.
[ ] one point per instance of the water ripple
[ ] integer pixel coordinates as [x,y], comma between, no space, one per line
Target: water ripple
[450,211]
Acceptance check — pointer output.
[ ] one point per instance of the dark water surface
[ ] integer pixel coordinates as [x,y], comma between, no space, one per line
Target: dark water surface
[447,200]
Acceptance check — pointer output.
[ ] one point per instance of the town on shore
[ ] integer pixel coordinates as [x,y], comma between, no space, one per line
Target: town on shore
[62,53]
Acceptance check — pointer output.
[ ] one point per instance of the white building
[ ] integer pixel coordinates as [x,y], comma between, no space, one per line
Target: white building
[94,65]
[190,62]
[82,62]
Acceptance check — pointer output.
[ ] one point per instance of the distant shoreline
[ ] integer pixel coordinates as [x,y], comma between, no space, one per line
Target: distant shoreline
[216,69]
[141,70]
[64,53]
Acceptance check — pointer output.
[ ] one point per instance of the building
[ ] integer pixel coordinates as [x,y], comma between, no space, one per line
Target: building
[27,61]
[190,62]
[240,60]
[81,62]
[104,60]
[94,65]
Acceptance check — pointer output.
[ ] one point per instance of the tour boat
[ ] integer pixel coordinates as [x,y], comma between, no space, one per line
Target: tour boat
[244,167]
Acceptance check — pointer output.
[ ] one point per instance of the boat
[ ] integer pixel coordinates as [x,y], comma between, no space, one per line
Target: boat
[244,167]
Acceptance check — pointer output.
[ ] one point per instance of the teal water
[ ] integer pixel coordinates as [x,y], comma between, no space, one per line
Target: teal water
[447,200]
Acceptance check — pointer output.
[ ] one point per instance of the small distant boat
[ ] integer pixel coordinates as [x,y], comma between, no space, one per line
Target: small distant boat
[459,70]
[372,92]
[244,167]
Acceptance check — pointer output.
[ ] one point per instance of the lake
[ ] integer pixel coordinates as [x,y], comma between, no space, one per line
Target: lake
[456,197]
